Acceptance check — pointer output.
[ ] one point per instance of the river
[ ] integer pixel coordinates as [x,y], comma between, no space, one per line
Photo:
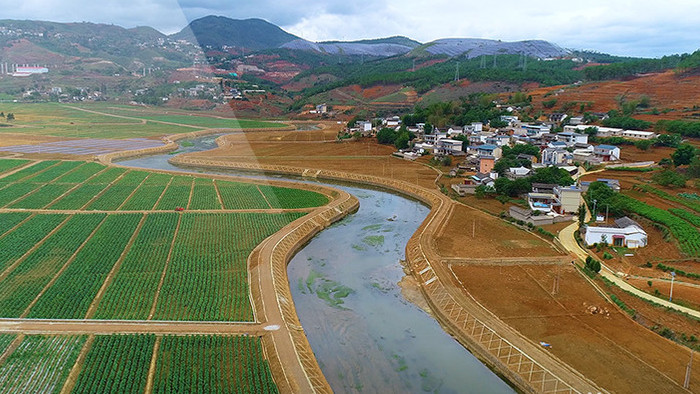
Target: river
[366,336]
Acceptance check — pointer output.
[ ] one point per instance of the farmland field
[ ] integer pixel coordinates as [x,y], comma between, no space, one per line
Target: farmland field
[120,364]
[116,364]
[40,364]
[148,264]
[11,164]
[220,290]
[105,243]
[224,364]
[112,122]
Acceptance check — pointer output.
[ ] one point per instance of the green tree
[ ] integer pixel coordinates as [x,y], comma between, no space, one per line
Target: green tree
[401,141]
[643,144]
[549,103]
[386,136]
[10,116]
[669,178]
[682,156]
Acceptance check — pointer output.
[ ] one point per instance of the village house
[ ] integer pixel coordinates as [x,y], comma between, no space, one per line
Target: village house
[489,150]
[518,172]
[624,233]
[556,157]
[486,164]
[448,147]
[561,200]
[607,152]
[572,139]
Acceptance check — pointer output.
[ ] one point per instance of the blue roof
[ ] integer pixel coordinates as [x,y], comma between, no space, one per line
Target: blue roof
[487,147]
[608,147]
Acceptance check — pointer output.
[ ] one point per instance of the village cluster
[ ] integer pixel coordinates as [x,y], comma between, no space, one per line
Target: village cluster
[476,151]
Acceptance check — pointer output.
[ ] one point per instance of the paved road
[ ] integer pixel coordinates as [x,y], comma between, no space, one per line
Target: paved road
[566,236]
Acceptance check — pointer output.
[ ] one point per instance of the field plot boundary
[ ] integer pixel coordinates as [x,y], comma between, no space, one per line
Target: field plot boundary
[523,362]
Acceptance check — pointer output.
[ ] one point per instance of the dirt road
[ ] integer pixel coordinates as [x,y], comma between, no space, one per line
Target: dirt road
[566,236]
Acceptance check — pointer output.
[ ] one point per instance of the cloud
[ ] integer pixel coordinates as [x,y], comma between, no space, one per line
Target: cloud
[641,28]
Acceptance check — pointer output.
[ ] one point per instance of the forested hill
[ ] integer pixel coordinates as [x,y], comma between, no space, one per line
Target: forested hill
[220,31]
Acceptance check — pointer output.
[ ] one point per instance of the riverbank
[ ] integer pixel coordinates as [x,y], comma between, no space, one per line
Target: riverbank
[523,363]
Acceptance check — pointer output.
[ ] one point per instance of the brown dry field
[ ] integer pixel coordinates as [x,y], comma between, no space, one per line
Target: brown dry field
[360,157]
[493,237]
[9,139]
[609,348]
[632,154]
[666,90]
[650,316]
[686,295]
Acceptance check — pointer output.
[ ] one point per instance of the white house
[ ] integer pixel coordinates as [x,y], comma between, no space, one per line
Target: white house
[572,139]
[448,146]
[607,152]
[455,130]
[498,140]
[625,233]
[489,150]
[434,138]
[638,134]
[518,172]
[556,157]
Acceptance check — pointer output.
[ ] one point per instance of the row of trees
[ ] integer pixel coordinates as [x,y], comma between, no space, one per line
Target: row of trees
[10,116]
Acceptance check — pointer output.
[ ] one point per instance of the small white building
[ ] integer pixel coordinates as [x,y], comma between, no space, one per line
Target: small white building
[572,139]
[448,146]
[625,233]
[607,152]
[518,172]
[638,134]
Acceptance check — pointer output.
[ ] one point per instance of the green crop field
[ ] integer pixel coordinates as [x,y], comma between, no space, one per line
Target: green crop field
[11,164]
[113,122]
[164,265]
[225,365]
[121,363]
[116,364]
[219,292]
[137,260]
[40,364]
[132,292]
[23,284]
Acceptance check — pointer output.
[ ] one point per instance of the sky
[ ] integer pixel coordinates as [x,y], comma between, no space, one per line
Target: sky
[649,28]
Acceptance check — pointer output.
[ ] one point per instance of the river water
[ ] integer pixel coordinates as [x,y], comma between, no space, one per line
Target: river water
[366,336]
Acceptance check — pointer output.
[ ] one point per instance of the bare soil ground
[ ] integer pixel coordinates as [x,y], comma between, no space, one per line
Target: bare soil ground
[9,139]
[667,90]
[473,234]
[603,343]
[686,295]
[302,149]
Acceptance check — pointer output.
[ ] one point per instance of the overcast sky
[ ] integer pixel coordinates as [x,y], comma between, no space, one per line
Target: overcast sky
[622,27]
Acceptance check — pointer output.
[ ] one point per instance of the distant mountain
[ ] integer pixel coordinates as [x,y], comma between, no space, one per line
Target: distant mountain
[219,31]
[54,43]
[473,47]
[380,49]
[399,40]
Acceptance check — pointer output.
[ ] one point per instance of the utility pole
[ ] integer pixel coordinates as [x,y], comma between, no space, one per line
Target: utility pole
[457,72]
[474,228]
[673,276]
[595,214]
[607,208]
[688,369]
[414,65]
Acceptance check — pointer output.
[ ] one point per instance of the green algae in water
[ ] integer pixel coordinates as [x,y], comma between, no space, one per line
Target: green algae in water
[374,240]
